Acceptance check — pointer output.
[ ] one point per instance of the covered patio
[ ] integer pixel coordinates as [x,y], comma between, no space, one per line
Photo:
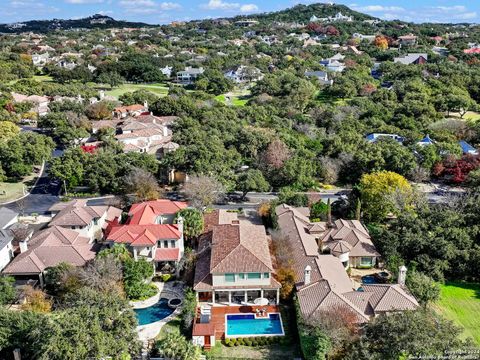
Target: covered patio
[231,297]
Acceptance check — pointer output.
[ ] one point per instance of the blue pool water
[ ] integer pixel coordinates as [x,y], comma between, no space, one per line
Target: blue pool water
[246,324]
[369,279]
[153,313]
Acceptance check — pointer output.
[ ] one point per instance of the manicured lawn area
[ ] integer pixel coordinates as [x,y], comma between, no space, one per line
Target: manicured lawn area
[10,191]
[237,98]
[160,89]
[460,302]
[171,326]
[275,351]
[43,78]
[470,115]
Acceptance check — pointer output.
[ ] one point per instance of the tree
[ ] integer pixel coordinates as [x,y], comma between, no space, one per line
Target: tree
[275,155]
[99,111]
[203,191]
[112,78]
[174,346]
[187,314]
[192,222]
[252,180]
[374,191]
[406,334]
[8,130]
[318,211]
[7,290]
[142,184]
[36,301]
[286,277]
[423,287]
[381,42]
[136,272]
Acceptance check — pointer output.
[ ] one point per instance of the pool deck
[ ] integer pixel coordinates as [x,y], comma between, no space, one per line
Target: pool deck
[219,312]
[167,291]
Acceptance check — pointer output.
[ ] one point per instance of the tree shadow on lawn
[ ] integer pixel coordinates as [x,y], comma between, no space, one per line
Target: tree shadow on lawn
[466,286]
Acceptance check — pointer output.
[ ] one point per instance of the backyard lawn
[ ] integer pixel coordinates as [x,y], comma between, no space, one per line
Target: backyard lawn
[460,302]
[10,191]
[160,89]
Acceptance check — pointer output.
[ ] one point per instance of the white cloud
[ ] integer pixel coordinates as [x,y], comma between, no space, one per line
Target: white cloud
[377,8]
[80,2]
[223,5]
[170,6]
[248,8]
[220,5]
[135,3]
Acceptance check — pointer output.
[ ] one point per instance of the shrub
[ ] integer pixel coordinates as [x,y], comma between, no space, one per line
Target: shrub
[166,277]
[248,342]
[240,341]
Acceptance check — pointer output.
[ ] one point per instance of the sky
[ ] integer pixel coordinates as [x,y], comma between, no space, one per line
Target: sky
[165,11]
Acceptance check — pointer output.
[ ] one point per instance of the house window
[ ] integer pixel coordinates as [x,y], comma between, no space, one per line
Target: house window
[366,261]
[254,275]
[241,276]
[165,243]
[229,278]
[95,221]
[266,275]
[172,243]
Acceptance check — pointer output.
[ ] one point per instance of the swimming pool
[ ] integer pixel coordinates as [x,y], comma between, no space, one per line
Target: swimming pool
[248,325]
[153,313]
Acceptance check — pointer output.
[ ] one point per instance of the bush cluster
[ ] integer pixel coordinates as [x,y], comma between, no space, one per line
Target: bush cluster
[254,341]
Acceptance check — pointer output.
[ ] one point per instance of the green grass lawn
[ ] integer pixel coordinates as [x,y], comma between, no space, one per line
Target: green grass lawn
[460,302]
[160,89]
[10,191]
[171,326]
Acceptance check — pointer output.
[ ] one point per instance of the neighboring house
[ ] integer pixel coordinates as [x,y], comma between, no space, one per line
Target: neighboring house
[7,219]
[377,136]
[321,76]
[467,148]
[412,59]
[321,280]
[88,221]
[40,103]
[426,141]
[121,112]
[361,37]
[245,23]
[335,63]
[439,50]
[189,75]
[407,40]
[167,71]
[234,265]
[241,74]
[40,59]
[337,18]
[49,248]
[149,233]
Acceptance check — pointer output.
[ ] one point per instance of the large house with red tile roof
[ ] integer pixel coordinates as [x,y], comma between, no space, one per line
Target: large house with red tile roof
[48,248]
[150,233]
[234,264]
[320,254]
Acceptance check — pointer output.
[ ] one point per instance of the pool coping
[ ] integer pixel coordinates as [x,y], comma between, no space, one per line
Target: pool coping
[256,318]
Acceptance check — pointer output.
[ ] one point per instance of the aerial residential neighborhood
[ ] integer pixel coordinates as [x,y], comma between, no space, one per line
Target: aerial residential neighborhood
[238,180]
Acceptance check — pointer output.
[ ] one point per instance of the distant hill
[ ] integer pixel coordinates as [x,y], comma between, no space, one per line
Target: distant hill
[42,26]
[303,13]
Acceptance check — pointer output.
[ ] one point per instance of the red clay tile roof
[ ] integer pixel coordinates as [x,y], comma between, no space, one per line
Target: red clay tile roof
[141,235]
[147,212]
[167,254]
[49,248]
[135,107]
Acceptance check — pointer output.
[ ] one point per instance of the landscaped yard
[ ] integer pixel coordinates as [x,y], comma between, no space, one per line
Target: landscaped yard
[238,97]
[460,302]
[274,351]
[10,191]
[160,89]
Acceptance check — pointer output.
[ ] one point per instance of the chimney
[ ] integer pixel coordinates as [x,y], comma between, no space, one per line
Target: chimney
[329,214]
[180,225]
[23,245]
[165,131]
[145,104]
[16,354]
[307,272]
[402,275]
[101,94]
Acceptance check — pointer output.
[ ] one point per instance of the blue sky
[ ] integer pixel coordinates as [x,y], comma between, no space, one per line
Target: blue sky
[164,11]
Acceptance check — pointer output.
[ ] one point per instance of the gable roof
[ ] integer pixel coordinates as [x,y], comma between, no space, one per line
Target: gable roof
[389,297]
[147,211]
[78,213]
[6,216]
[143,235]
[51,247]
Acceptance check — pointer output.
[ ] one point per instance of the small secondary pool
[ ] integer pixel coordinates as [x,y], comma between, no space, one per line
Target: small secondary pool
[248,325]
[369,279]
[153,313]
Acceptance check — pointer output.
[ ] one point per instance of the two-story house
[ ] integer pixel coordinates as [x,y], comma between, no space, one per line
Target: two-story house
[88,221]
[150,233]
[234,265]
[189,75]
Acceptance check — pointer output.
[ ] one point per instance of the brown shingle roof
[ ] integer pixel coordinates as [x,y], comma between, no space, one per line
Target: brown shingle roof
[51,247]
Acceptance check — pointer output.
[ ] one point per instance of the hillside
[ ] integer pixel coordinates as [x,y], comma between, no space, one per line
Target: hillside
[42,26]
[303,13]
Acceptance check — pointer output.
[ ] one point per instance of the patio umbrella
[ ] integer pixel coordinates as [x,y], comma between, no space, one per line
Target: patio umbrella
[260,301]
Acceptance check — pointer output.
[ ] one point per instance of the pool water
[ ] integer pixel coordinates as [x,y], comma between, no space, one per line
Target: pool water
[369,279]
[153,313]
[248,325]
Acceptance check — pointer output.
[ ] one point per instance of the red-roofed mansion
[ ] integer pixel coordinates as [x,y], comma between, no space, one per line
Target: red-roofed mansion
[150,233]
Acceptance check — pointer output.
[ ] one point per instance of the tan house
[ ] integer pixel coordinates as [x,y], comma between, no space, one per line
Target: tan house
[234,265]
[321,280]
